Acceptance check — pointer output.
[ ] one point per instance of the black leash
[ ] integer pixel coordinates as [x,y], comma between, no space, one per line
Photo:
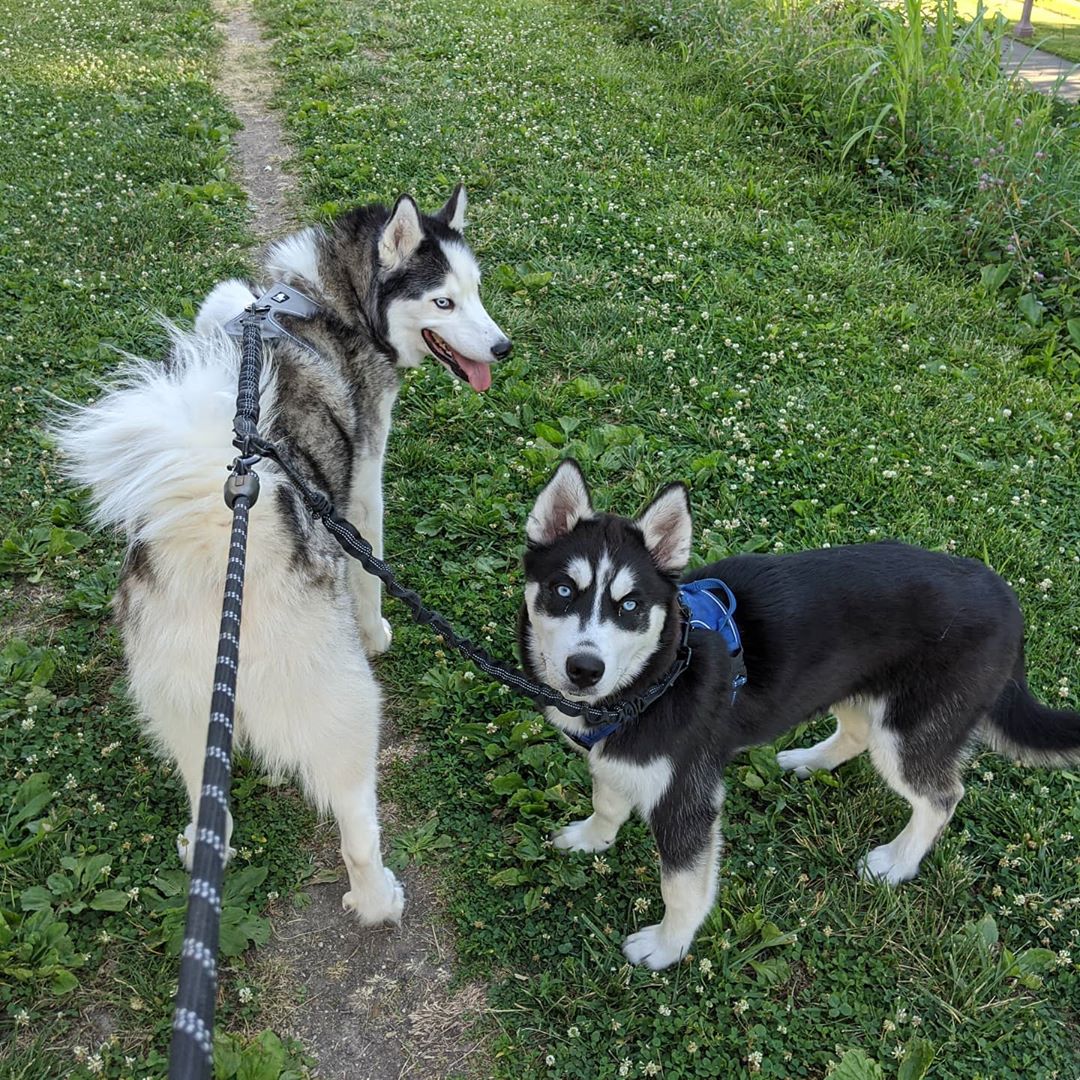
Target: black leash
[358,548]
[191,1056]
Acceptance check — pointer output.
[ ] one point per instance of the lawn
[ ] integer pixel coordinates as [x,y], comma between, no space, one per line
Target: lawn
[696,292]
[1056,23]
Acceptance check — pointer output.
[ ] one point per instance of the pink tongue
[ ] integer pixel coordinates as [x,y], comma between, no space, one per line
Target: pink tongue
[479,375]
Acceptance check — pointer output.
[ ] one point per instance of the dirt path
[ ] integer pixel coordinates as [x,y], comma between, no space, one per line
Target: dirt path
[368,1004]
[246,81]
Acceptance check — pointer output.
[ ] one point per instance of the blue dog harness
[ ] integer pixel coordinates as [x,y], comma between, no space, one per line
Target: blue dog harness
[706,604]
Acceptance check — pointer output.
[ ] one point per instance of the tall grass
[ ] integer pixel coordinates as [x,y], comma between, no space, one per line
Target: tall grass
[912,97]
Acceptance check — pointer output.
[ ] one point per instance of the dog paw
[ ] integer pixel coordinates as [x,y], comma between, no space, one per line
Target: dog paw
[376,639]
[652,948]
[382,904]
[800,762]
[185,847]
[581,836]
[883,864]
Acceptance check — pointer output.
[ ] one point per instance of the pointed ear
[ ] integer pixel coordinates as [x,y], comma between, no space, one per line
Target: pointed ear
[453,213]
[401,235]
[560,506]
[667,528]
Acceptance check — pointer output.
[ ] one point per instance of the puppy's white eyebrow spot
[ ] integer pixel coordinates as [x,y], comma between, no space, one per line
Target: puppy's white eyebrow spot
[580,572]
[622,583]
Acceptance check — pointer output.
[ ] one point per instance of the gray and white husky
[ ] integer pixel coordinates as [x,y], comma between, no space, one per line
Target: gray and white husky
[916,653]
[391,287]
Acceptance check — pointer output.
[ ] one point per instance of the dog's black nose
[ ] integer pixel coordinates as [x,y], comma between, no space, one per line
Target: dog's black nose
[501,349]
[584,669]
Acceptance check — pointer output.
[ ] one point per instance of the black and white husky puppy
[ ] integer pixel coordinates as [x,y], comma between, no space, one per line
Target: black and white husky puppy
[916,653]
[386,288]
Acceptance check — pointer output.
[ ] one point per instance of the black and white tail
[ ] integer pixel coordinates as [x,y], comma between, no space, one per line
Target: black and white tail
[1028,731]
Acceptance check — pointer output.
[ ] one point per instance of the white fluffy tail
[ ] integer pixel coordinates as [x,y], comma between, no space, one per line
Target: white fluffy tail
[155,448]
[224,302]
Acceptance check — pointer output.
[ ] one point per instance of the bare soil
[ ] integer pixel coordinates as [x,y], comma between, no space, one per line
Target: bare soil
[261,154]
[368,1004]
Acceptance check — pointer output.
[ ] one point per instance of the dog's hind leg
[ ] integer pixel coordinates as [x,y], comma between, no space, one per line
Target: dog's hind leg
[926,772]
[184,738]
[598,831]
[851,737]
[375,895]
[334,733]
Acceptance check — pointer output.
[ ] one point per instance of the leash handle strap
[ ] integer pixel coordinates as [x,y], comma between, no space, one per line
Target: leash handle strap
[191,1055]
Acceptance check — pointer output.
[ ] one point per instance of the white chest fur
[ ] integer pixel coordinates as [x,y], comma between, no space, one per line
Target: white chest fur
[641,785]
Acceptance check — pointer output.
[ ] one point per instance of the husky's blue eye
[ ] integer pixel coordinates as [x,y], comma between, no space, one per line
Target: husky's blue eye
[628,605]
[443,303]
[564,592]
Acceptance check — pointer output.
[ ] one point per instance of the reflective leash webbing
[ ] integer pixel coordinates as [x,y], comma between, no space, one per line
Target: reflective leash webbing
[191,1056]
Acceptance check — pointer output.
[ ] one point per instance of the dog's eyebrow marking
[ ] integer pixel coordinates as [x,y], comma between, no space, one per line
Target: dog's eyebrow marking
[622,583]
[580,572]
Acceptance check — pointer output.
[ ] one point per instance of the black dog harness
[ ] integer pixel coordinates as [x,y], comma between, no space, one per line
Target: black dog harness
[706,604]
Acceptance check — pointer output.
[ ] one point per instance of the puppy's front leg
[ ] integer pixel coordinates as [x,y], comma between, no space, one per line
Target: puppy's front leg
[598,831]
[688,871]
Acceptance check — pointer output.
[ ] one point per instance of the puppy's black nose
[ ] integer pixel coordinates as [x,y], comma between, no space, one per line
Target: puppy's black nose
[584,669]
[501,349]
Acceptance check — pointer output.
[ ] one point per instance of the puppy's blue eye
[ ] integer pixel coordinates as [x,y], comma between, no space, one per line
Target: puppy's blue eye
[564,591]
[628,605]
[444,303]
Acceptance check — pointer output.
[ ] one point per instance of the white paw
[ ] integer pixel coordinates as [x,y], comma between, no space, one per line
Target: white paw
[581,836]
[653,948]
[383,904]
[883,864]
[185,847]
[800,762]
[376,639]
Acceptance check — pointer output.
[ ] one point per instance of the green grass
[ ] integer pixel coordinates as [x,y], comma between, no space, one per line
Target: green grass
[1061,39]
[117,200]
[726,308]
[727,305]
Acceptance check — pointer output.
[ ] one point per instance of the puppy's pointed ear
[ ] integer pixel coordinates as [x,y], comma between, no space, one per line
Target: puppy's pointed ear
[453,213]
[560,506]
[667,528]
[401,235]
